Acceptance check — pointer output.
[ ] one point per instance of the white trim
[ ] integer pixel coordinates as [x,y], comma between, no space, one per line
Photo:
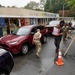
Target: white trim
[11,16]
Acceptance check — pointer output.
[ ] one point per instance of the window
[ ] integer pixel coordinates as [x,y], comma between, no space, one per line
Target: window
[33,30]
[40,27]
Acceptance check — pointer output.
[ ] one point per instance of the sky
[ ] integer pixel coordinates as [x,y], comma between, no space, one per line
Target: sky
[18,3]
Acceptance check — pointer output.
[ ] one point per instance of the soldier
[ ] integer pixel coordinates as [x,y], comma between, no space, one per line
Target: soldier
[69,30]
[62,22]
[65,31]
[36,40]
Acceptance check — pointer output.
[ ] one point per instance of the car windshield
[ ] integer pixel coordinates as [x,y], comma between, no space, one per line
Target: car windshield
[21,31]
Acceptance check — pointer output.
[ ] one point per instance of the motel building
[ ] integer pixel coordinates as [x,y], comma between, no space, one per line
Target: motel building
[21,17]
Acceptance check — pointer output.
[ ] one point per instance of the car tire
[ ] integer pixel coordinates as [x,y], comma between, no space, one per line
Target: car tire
[24,49]
[4,73]
[44,39]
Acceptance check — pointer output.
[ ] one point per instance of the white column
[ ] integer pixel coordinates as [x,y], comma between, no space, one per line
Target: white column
[47,21]
[36,21]
[9,20]
[19,23]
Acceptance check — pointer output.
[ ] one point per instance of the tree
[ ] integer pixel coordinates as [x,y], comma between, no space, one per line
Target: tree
[1,5]
[55,5]
[14,6]
[8,6]
[71,4]
[32,5]
[47,6]
[42,2]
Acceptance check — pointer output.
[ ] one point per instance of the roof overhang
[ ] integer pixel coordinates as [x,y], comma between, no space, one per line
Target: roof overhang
[10,16]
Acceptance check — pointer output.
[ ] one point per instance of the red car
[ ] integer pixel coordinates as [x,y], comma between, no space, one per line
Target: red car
[51,25]
[21,39]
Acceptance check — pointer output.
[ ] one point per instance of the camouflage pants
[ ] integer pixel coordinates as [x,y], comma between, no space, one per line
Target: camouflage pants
[64,36]
[69,33]
[38,46]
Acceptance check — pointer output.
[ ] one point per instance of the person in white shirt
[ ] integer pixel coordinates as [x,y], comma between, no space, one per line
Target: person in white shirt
[57,32]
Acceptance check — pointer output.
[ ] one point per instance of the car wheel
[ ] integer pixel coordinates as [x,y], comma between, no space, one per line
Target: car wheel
[24,49]
[4,73]
[44,39]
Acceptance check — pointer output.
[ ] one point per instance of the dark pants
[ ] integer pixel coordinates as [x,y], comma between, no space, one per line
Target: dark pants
[57,40]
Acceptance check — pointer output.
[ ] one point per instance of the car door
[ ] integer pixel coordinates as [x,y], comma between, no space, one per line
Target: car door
[33,30]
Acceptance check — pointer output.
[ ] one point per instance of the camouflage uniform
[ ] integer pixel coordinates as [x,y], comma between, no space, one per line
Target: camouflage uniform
[36,40]
[65,31]
[69,30]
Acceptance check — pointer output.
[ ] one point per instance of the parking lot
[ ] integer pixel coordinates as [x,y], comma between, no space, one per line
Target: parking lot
[29,64]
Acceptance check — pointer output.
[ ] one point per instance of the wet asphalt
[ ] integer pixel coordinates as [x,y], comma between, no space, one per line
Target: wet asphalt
[29,64]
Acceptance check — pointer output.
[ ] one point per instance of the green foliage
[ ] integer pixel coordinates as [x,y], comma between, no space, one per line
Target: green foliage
[32,5]
[1,5]
[47,6]
[42,2]
[55,5]
[71,4]
[13,6]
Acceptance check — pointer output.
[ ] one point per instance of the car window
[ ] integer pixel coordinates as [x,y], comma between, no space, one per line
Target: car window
[33,30]
[21,31]
[41,27]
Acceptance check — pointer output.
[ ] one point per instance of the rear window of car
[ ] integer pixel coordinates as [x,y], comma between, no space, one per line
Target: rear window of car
[53,23]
